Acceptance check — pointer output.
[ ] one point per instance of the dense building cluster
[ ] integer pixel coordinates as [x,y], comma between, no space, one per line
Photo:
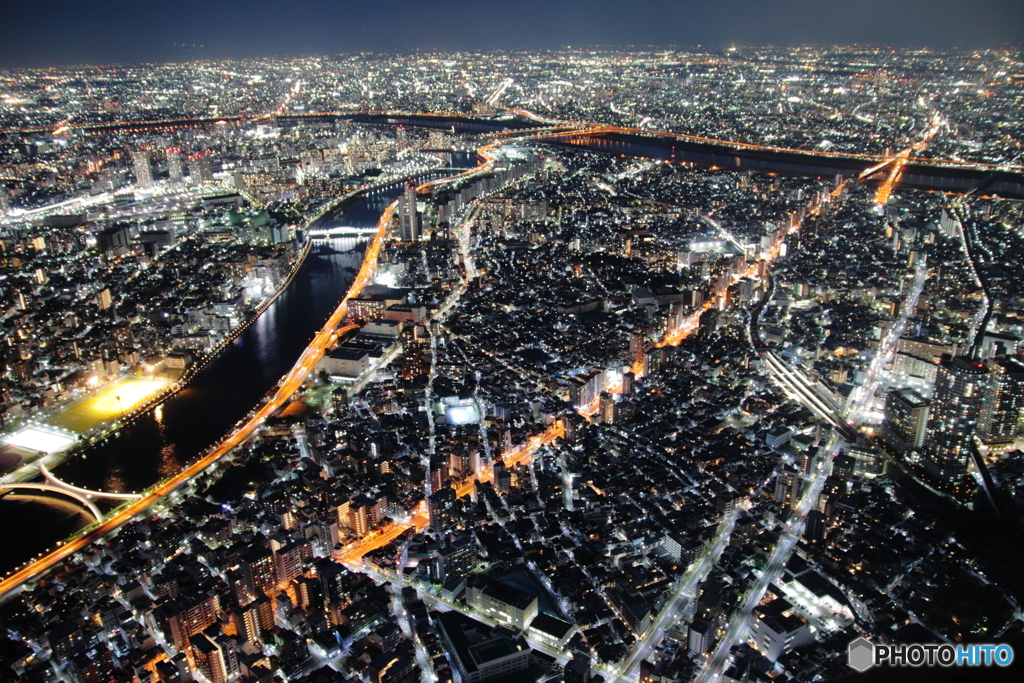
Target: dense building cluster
[591,417]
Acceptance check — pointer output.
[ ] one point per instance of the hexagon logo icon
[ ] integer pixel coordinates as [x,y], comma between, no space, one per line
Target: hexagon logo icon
[861,654]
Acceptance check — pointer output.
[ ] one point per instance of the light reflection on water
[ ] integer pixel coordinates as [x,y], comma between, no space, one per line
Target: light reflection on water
[163,441]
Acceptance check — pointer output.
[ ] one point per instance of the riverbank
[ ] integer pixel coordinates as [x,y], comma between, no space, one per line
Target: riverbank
[105,430]
[278,395]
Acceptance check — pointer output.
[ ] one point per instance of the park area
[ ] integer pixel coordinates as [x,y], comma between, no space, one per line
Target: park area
[112,401]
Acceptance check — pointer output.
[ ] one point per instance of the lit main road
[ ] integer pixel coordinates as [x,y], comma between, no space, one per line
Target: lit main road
[289,384]
[326,337]
[739,621]
[901,160]
[677,606]
[521,454]
[857,410]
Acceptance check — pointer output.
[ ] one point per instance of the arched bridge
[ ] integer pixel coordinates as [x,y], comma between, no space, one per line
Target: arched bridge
[85,497]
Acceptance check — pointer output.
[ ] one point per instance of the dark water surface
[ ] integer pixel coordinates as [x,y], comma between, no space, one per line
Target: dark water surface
[161,442]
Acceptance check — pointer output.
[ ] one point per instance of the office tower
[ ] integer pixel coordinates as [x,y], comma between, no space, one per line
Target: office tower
[623,410]
[701,637]
[175,167]
[814,531]
[408,218]
[334,579]
[441,510]
[454,560]
[502,478]
[1003,403]
[143,168]
[906,416]
[506,441]
[957,406]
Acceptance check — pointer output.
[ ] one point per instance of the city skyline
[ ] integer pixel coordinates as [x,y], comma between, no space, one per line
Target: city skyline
[583,365]
[60,33]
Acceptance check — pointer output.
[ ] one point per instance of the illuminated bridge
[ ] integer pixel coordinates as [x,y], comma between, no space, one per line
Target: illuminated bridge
[340,231]
[918,173]
[84,497]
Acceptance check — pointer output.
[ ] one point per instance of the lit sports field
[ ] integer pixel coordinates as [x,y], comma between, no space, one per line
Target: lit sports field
[121,396]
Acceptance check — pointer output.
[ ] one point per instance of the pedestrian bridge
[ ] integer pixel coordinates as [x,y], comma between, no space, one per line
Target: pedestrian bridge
[84,497]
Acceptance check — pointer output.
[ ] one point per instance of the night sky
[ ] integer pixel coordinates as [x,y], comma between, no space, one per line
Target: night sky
[60,32]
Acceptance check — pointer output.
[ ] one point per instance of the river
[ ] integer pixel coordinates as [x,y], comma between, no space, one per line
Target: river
[162,441]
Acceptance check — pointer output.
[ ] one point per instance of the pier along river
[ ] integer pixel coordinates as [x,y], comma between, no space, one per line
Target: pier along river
[165,439]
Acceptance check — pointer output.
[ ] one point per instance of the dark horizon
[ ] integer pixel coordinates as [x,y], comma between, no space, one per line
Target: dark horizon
[59,33]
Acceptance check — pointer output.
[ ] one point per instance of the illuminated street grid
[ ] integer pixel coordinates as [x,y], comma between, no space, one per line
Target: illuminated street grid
[669,387]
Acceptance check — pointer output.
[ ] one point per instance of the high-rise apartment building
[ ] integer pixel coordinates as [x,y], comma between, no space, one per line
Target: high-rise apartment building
[215,657]
[199,169]
[259,572]
[143,168]
[906,417]
[409,228]
[1004,402]
[441,510]
[957,408]
[606,408]
[175,165]
[584,389]
[184,617]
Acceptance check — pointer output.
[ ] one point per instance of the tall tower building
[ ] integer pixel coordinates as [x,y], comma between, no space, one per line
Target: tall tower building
[628,378]
[957,408]
[441,510]
[175,165]
[906,417]
[259,571]
[788,486]
[143,168]
[215,657]
[199,169]
[1004,402]
[408,219]
[184,617]
[606,408]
